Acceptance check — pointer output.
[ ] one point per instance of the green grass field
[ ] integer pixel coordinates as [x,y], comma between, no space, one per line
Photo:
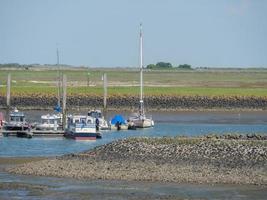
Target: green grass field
[125,82]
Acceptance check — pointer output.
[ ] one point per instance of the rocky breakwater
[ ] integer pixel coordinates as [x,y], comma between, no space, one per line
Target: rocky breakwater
[181,159]
[152,102]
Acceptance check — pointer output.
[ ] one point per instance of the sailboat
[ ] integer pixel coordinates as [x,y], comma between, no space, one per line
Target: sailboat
[140,120]
[53,122]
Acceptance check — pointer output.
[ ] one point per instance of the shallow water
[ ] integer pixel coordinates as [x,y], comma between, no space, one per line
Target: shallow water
[166,124]
[52,146]
[30,187]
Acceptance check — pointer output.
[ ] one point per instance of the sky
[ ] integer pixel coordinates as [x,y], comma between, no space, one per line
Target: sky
[105,33]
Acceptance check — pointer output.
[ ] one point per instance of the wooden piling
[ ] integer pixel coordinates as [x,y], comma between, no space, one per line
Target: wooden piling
[105,83]
[64,100]
[8,87]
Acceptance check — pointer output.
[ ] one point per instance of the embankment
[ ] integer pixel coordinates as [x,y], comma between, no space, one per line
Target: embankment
[214,159]
[152,102]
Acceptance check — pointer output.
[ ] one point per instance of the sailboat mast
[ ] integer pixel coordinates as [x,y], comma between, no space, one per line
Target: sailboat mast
[142,112]
[58,74]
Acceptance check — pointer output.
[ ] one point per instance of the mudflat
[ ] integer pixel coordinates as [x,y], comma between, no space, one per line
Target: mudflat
[18,160]
[230,159]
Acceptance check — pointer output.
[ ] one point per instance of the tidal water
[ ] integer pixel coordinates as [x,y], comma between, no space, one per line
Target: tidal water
[50,188]
[166,124]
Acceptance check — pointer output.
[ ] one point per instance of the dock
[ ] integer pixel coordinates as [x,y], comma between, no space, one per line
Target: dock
[33,132]
[47,132]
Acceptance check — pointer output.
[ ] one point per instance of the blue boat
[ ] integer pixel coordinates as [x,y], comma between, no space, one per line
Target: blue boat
[118,123]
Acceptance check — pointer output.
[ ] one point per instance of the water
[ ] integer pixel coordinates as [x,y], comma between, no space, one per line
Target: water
[53,146]
[167,124]
[31,188]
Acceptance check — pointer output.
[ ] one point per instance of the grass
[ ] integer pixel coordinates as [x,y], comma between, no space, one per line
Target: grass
[125,82]
[134,91]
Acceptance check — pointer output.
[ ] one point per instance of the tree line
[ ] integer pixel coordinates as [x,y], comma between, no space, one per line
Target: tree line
[167,65]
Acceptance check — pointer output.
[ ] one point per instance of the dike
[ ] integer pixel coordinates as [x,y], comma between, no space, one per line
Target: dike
[151,102]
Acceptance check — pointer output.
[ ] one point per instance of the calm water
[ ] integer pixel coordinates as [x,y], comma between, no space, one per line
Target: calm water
[167,124]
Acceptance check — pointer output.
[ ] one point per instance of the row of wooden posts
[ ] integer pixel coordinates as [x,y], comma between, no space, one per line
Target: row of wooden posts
[64,94]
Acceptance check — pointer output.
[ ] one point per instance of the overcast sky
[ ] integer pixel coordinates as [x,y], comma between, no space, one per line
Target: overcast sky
[104,33]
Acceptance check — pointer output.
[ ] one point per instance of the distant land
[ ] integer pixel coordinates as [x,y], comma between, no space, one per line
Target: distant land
[156,66]
[36,86]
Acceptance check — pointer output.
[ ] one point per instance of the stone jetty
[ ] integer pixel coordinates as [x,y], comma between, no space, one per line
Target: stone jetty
[230,159]
[165,102]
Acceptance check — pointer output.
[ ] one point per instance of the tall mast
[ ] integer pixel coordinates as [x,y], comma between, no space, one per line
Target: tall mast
[58,74]
[142,112]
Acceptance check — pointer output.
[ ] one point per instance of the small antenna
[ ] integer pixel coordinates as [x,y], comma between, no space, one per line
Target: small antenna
[57,56]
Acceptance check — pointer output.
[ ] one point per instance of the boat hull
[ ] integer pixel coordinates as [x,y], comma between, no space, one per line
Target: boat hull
[24,134]
[143,123]
[15,128]
[80,136]
[47,128]
[120,127]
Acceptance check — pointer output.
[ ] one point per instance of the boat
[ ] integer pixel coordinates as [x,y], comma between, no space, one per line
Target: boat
[50,122]
[2,120]
[98,119]
[118,123]
[81,127]
[18,125]
[16,121]
[140,120]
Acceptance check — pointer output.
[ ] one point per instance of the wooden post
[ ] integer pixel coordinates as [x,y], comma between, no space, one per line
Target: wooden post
[8,86]
[105,90]
[64,83]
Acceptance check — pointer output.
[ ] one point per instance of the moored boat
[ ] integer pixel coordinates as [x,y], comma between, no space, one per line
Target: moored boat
[2,120]
[50,122]
[99,119]
[140,120]
[81,127]
[17,124]
[118,123]
[16,121]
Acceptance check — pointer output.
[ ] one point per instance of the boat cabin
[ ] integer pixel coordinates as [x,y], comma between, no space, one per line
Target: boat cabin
[50,119]
[95,113]
[16,117]
[80,119]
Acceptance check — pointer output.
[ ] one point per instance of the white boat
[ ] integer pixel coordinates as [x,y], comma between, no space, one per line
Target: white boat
[98,119]
[2,120]
[81,127]
[50,122]
[140,120]
[17,124]
[16,121]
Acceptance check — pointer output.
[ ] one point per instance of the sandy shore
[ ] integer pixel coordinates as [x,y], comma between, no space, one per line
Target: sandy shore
[212,159]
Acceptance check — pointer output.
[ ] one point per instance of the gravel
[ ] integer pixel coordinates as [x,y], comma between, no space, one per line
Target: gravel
[231,159]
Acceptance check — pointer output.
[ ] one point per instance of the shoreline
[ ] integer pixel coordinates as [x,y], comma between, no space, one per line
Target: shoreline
[200,160]
[127,109]
[130,102]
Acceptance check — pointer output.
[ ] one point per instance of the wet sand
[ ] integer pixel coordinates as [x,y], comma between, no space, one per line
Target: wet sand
[14,186]
[18,160]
